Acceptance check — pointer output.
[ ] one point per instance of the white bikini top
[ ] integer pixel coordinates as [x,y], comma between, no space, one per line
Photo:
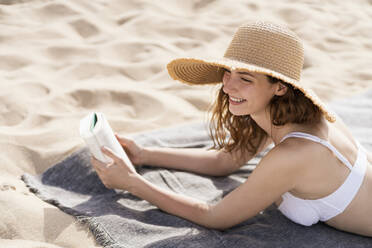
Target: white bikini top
[309,212]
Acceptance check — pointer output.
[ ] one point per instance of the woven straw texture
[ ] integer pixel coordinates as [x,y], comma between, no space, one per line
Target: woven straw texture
[259,47]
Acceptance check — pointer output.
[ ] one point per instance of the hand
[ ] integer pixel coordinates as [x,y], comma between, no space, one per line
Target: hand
[116,174]
[134,151]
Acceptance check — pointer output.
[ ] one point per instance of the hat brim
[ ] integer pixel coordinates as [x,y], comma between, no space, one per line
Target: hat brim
[204,71]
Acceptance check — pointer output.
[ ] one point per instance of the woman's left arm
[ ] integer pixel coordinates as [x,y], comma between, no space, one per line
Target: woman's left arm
[274,175]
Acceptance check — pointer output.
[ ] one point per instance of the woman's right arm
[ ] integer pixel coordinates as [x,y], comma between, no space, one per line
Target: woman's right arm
[197,160]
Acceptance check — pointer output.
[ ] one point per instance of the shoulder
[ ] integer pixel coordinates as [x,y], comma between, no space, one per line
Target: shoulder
[288,152]
[291,156]
[279,171]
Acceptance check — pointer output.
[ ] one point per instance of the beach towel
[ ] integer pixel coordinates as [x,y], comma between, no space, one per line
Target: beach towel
[119,219]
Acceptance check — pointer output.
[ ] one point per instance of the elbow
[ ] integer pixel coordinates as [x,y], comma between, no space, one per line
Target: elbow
[212,221]
[221,173]
[225,169]
[218,226]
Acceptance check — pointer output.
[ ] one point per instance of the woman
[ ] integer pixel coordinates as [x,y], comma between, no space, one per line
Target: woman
[316,171]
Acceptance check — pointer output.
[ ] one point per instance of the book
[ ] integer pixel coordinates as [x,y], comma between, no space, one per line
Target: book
[96,132]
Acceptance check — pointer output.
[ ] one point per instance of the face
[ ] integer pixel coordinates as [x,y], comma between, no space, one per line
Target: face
[249,92]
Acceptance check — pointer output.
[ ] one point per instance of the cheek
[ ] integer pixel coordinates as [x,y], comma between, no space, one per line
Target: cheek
[247,92]
[256,99]
[263,98]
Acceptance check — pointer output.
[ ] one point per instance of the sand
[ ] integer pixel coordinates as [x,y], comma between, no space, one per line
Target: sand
[60,60]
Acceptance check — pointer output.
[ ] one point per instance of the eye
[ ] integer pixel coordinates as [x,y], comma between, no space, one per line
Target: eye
[246,80]
[226,70]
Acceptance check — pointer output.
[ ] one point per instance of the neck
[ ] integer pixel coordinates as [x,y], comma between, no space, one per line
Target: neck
[276,133]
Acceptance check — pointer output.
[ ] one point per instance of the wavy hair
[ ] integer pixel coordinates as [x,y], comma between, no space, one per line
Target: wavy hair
[243,134]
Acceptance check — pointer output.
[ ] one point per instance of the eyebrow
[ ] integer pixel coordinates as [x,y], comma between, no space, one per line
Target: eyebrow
[246,73]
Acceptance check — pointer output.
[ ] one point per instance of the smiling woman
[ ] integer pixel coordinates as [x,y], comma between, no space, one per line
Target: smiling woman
[316,171]
[240,92]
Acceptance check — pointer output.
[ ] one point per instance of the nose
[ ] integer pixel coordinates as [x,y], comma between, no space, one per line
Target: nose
[229,84]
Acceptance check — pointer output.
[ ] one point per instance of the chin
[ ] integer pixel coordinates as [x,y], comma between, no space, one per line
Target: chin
[238,113]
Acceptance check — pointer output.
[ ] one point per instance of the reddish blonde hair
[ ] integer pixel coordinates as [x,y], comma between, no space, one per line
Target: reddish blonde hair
[242,132]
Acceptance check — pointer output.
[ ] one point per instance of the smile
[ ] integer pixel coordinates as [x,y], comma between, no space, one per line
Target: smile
[236,100]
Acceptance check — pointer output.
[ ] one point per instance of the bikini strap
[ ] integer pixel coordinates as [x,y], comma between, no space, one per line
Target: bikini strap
[321,141]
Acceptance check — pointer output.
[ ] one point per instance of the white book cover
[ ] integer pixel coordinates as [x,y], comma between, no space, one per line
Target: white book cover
[96,132]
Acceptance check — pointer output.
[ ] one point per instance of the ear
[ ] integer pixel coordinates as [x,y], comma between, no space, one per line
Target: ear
[281,89]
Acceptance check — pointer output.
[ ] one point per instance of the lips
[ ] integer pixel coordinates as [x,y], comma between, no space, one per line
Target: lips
[236,100]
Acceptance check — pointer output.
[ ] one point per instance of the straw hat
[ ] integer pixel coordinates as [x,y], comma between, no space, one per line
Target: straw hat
[258,47]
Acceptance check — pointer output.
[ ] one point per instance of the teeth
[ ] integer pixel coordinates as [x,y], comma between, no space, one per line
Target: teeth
[237,99]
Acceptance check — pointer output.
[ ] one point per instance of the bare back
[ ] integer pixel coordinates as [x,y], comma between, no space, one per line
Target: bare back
[324,174]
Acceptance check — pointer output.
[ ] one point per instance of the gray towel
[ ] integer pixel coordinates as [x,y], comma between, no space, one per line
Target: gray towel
[119,219]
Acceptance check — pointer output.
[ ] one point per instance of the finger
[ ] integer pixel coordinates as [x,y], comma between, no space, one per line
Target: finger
[97,165]
[97,162]
[122,141]
[110,153]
